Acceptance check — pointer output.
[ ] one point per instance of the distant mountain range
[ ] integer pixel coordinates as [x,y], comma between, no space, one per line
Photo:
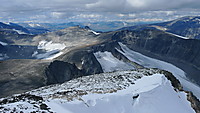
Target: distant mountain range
[97,26]
[188,27]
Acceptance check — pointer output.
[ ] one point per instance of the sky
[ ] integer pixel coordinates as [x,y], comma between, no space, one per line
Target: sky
[96,10]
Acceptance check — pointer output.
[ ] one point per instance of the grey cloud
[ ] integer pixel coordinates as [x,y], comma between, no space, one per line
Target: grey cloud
[142,5]
[75,9]
[96,5]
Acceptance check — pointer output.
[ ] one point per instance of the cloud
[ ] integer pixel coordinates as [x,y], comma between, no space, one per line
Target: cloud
[92,9]
[107,5]
[95,5]
[141,5]
[57,14]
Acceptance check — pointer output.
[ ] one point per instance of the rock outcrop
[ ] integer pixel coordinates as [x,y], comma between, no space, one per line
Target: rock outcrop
[59,72]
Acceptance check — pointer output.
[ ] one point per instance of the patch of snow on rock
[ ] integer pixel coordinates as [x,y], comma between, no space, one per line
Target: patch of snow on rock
[49,46]
[178,35]
[19,32]
[3,43]
[94,32]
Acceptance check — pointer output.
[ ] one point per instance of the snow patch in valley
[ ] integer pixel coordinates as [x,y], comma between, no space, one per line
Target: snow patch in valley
[19,32]
[8,23]
[34,25]
[53,50]
[54,56]
[178,35]
[3,43]
[154,63]
[49,46]
[109,63]
[94,32]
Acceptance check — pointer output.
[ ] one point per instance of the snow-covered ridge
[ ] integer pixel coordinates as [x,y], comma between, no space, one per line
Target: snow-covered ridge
[137,91]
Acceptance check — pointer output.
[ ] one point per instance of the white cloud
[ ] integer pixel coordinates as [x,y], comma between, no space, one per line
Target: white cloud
[89,16]
[57,14]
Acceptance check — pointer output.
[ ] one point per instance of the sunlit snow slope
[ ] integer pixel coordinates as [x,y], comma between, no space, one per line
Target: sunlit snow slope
[139,91]
[109,63]
[154,63]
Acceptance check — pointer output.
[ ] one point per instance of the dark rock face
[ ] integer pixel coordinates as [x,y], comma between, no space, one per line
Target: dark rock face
[195,103]
[175,82]
[85,60]
[59,72]
[91,65]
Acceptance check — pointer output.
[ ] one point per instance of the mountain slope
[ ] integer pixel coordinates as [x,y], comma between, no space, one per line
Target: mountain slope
[83,52]
[14,27]
[163,46]
[45,46]
[125,91]
[16,73]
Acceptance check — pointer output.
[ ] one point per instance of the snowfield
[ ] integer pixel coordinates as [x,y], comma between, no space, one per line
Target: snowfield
[156,95]
[139,91]
[52,50]
[154,63]
[109,63]
[50,46]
